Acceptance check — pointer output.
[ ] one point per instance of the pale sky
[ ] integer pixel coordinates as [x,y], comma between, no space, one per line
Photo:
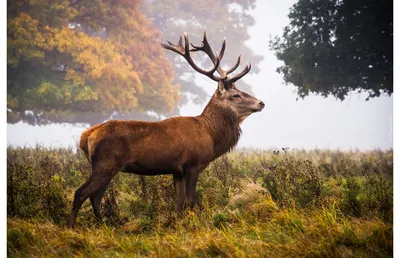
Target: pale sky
[314,122]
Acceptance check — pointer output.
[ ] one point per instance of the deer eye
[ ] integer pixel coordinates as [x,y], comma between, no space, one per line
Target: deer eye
[236,96]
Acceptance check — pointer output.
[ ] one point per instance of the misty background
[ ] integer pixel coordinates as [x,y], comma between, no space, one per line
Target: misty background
[312,122]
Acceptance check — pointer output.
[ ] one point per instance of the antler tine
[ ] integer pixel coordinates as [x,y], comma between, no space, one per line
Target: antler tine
[206,48]
[176,48]
[235,66]
[240,75]
[180,41]
[222,52]
[200,70]
[184,50]
[187,49]
[198,48]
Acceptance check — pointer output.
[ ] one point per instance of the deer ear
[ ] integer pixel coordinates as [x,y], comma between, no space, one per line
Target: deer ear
[221,87]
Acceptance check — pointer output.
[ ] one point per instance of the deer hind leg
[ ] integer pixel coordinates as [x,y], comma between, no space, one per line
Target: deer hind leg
[96,201]
[94,188]
[76,205]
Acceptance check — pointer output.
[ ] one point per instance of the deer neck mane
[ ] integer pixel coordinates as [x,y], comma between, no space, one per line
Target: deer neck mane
[223,125]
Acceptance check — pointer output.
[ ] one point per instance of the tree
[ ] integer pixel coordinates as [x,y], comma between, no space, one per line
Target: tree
[84,61]
[332,47]
[226,18]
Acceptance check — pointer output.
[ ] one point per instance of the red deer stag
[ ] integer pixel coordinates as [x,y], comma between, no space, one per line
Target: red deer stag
[181,146]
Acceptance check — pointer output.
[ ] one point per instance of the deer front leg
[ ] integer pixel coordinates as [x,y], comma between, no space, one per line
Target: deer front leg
[179,183]
[191,181]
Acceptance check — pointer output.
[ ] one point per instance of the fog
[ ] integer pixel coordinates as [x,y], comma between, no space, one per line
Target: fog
[314,122]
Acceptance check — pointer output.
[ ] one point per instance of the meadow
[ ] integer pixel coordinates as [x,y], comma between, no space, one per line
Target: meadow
[275,203]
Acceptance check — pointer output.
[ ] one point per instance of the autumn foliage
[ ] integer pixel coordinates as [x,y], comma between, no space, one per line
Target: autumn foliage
[68,59]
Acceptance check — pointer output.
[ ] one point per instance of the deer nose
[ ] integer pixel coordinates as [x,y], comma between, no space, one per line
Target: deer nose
[261,104]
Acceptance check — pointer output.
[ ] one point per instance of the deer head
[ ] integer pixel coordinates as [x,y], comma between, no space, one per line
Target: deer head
[226,93]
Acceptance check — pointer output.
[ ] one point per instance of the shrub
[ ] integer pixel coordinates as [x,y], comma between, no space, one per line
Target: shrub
[41,183]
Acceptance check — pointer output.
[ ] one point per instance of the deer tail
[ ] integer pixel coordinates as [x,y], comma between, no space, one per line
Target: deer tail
[83,143]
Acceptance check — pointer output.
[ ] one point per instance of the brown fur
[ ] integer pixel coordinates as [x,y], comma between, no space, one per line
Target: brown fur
[201,140]
[83,142]
[181,146]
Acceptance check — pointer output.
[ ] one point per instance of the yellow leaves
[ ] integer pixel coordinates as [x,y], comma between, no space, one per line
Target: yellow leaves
[67,97]
[47,93]
[47,89]
[63,39]
[25,40]
[101,56]
[24,27]
[97,73]
[75,77]
[87,58]
[86,93]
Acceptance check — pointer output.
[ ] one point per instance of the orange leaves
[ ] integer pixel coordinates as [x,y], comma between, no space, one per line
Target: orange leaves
[98,55]
[63,39]
[74,77]
[25,39]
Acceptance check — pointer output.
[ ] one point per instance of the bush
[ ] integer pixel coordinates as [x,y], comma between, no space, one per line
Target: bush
[41,183]
[270,203]
[293,182]
[31,195]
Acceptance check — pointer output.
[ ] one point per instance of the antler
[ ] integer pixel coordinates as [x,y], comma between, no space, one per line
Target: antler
[185,52]
[241,74]
[206,48]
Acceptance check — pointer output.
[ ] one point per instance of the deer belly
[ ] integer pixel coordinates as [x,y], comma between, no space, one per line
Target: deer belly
[140,169]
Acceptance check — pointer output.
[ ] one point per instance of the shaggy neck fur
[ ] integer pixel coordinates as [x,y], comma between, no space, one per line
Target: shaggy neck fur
[224,127]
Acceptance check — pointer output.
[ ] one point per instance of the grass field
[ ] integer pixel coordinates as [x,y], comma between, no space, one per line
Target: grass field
[315,203]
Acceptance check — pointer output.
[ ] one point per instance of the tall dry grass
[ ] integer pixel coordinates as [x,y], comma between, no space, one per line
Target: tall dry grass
[316,203]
